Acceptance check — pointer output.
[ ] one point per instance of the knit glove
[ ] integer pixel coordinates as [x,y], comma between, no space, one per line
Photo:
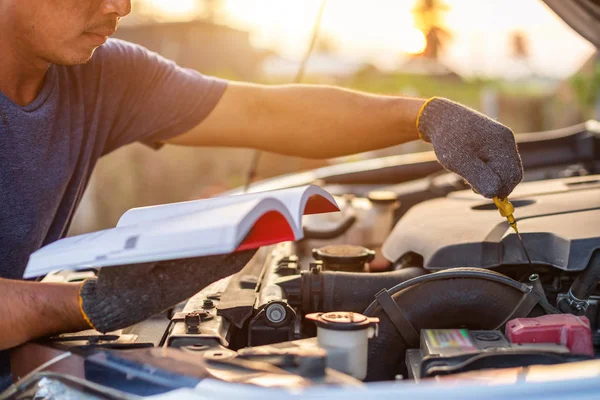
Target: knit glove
[125,295]
[468,143]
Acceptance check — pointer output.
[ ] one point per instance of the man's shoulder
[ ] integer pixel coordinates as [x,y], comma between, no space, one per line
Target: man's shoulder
[115,50]
[110,69]
[115,59]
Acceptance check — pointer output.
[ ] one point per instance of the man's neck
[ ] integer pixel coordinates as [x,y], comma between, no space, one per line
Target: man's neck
[21,74]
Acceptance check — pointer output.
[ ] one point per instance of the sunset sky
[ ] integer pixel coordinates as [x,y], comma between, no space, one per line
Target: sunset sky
[380,31]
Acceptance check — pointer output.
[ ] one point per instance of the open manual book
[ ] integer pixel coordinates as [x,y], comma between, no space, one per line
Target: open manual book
[218,225]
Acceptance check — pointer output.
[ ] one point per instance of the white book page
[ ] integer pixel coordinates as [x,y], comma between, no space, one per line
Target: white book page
[154,213]
[293,198]
[296,199]
[202,233]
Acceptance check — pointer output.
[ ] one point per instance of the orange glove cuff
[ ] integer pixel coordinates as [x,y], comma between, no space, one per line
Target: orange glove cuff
[82,311]
[419,117]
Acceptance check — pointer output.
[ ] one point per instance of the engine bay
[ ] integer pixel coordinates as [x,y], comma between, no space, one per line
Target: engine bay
[375,293]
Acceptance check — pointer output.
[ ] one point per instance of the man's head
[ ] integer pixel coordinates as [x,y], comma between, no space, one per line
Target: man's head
[64,32]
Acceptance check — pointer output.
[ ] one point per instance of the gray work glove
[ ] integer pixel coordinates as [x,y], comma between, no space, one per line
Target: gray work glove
[125,295]
[476,147]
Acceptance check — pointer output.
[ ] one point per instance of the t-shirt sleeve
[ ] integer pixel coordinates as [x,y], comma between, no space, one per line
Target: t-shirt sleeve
[151,98]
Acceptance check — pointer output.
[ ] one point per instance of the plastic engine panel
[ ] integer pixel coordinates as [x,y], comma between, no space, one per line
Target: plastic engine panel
[559,221]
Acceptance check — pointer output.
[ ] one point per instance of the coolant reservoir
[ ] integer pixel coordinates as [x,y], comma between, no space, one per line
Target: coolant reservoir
[381,215]
[381,218]
[345,336]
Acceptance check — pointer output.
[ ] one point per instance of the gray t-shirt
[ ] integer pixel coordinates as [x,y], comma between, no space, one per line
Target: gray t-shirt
[49,148]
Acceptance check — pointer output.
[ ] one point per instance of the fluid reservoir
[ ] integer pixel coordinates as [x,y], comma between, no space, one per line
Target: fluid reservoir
[345,336]
[381,216]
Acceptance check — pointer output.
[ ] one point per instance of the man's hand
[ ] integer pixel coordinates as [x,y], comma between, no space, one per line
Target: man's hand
[125,295]
[472,145]
[29,310]
[120,297]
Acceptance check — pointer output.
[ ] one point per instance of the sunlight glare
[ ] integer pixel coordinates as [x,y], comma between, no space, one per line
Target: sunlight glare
[174,8]
[413,42]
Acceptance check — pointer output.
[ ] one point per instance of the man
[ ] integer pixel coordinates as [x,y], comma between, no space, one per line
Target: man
[67,97]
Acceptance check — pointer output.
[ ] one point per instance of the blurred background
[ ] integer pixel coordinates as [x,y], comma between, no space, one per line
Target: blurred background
[514,60]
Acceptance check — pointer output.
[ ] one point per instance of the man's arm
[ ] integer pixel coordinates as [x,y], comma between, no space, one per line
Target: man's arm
[321,122]
[306,120]
[30,309]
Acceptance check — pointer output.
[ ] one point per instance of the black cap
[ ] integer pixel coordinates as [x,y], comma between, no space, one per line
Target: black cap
[344,254]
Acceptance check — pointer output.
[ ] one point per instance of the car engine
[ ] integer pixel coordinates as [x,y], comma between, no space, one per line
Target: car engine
[383,292]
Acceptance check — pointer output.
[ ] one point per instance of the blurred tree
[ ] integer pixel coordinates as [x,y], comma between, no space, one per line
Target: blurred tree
[519,45]
[587,91]
[520,52]
[429,19]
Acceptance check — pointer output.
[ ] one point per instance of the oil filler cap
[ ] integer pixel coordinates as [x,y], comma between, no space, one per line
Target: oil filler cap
[342,321]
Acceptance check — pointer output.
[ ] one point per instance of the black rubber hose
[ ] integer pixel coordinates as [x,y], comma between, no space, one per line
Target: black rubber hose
[585,284]
[468,298]
[452,273]
[352,291]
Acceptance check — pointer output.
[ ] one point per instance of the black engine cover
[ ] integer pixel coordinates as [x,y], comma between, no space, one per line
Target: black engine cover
[559,221]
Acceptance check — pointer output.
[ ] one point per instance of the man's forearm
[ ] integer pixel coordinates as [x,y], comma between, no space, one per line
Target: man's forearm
[30,310]
[306,120]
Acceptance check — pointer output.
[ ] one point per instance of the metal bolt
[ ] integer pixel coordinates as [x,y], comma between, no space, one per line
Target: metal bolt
[315,268]
[192,322]
[208,304]
[276,313]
